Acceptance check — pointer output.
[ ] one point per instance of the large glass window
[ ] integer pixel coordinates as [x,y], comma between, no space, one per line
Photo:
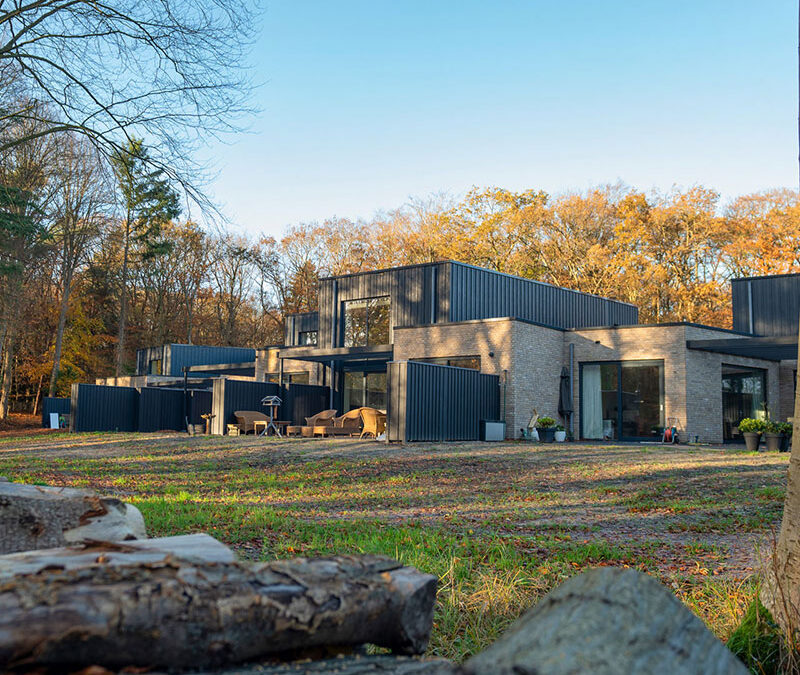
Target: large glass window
[743,395]
[289,378]
[473,362]
[366,322]
[622,400]
[364,389]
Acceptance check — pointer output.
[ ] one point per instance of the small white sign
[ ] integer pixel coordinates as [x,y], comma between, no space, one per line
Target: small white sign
[54,420]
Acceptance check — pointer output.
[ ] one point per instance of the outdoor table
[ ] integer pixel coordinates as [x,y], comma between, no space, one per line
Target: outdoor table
[279,424]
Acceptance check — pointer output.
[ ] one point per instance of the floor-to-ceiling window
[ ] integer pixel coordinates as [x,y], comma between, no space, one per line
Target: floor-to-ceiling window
[622,400]
[367,322]
[364,389]
[743,395]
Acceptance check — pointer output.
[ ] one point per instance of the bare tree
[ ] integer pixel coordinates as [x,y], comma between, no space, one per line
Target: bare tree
[82,200]
[232,280]
[172,71]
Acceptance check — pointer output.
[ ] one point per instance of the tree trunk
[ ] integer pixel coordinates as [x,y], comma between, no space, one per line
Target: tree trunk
[62,322]
[7,370]
[123,300]
[780,590]
[181,612]
[38,396]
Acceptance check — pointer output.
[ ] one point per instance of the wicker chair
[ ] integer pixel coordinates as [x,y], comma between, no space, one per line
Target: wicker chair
[245,419]
[348,424]
[321,419]
[374,422]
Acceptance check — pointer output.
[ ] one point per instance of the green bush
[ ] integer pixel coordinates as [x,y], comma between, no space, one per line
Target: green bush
[748,424]
[545,423]
[784,428]
[560,427]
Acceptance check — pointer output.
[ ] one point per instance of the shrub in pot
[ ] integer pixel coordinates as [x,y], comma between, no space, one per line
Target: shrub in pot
[751,430]
[560,433]
[785,429]
[546,426]
[773,436]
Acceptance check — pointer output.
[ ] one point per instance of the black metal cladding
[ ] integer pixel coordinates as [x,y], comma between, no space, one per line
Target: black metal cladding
[174,357]
[303,400]
[232,395]
[97,407]
[299,323]
[477,293]
[161,409]
[417,293]
[775,303]
[429,402]
[199,403]
[54,405]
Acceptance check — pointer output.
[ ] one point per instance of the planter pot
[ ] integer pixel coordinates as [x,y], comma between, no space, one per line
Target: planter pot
[773,442]
[546,435]
[785,441]
[751,440]
[560,436]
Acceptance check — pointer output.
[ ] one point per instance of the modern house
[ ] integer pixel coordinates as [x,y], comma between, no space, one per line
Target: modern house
[627,380]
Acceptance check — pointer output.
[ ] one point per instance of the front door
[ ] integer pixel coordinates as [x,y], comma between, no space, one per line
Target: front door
[743,395]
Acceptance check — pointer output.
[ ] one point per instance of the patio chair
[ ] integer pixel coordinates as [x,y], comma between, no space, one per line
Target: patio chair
[321,419]
[374,422]
[245,419]
[348,424]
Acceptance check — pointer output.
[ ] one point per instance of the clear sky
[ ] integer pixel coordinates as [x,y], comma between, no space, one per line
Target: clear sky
[365,103]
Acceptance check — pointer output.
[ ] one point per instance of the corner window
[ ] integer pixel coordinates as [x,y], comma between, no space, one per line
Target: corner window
[308,337]
[155,367]
[366,322]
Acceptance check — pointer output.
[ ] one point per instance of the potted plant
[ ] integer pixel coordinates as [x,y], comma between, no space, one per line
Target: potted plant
[560,433]
[546,426]
[785,430]
[772,435]
[751,430]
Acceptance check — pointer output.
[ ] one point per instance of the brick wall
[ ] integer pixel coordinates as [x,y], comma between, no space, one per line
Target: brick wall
[526,357]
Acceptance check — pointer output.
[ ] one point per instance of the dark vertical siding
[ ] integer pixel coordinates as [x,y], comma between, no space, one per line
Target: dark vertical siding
[776,305]
[232,395]
[429,402]
[477,293]
[198,355]
[303,400]
[200,402]
[300,323]
[409,289]
[161,409]
[54,405]
[97,407]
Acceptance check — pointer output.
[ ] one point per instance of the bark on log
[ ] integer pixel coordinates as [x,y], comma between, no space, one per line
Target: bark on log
[36,517]
[608,621]
[171,612]
[349,665]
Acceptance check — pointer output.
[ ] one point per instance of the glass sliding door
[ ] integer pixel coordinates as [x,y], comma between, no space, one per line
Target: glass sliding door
[364,389]
[622,400]
[743,395]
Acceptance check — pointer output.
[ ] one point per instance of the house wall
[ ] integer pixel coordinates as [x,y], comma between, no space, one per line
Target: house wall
[527,358]
[692,378]
[786,377]
[267,362]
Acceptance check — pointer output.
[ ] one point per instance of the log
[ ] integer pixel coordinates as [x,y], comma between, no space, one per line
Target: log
[608,621]
[112,607]
[35,517]
[348,665]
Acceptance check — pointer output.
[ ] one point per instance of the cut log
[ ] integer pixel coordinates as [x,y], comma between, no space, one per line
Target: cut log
[165,611]
[348,665]
[608,621]
[37,517]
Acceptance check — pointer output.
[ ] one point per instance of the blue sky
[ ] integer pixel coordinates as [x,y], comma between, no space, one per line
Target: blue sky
[367,103]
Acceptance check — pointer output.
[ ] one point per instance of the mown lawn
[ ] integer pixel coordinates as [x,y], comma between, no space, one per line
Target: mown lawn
[500,524]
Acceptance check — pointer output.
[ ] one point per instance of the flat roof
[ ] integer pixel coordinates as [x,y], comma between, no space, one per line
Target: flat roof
[767,276]
[783,348]
[669,324]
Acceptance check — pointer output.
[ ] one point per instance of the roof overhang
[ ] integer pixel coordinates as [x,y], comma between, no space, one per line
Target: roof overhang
[222,368]
[767,348]
[310,353]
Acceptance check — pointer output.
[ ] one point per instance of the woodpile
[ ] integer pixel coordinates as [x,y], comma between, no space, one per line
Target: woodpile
[185,602]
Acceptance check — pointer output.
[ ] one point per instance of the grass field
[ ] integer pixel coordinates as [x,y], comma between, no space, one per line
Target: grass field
[500,524]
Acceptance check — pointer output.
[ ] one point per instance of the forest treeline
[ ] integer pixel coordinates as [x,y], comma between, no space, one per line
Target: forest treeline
[97,260]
